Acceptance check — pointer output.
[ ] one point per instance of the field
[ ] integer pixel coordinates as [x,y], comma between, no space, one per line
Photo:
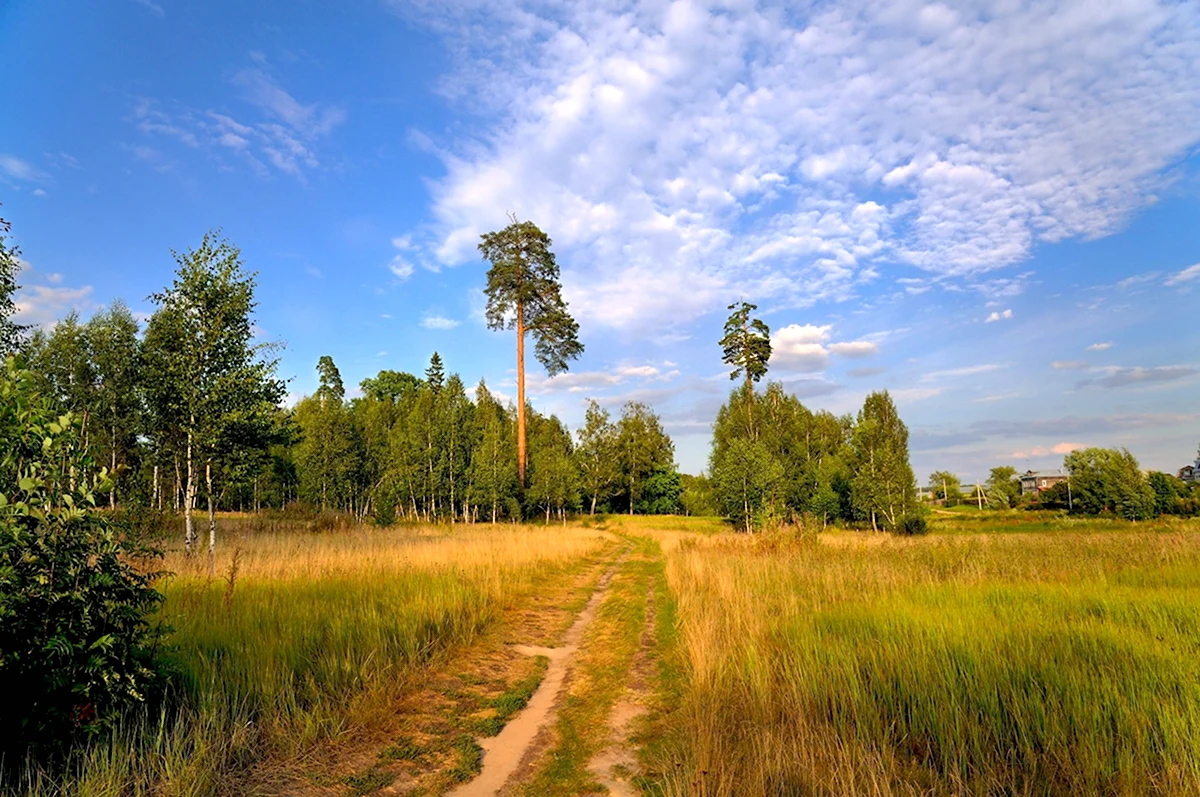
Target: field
[1000,654]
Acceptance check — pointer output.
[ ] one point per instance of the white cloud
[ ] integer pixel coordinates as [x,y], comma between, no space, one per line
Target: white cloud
[438,322]
[285,137]
[669,145]
[1100,346]
[1068,365]
[969,370]
[1187,275]
[907,394]
[400,267]
[591,381]
[800,348]
[854,349]
[19,169]
[995,397]
[43,305]
[997,316]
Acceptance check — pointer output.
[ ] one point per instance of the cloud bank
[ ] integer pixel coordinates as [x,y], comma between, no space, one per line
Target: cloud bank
[677,152]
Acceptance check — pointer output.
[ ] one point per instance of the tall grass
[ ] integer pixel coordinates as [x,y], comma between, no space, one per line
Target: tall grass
[1013,664]
[301,638]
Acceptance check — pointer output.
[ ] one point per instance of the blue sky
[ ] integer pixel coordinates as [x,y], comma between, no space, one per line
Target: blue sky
[991,209]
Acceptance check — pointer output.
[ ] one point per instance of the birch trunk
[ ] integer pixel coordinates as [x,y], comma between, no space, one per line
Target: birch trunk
[212,521]
[189,498]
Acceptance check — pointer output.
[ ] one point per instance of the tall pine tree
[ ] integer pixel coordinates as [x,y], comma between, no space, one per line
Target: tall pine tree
[524,294]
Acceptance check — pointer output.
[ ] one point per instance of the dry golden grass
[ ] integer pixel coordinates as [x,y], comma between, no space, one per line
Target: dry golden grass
[302,638]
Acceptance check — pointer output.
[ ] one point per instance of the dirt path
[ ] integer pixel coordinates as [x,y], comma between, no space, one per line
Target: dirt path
[615,766]
[504,753]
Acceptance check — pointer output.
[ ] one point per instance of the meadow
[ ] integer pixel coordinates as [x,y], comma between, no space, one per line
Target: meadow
[305,638]
[965,662]
[1003,653]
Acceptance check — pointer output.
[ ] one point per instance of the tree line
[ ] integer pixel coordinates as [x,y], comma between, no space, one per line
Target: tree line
[1101,481]
[421,448]
[187,411]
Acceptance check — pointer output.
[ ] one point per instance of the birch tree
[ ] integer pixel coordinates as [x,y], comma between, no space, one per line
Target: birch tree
[115,357]
[642,447]
[524,293]
[597,455]
[224,381]
[883,484]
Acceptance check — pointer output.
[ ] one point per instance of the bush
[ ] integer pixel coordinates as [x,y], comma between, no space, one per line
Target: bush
[912,525]
[75,643]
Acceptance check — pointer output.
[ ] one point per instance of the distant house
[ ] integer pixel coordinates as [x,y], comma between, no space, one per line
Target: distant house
[1035,481]
[1190,473]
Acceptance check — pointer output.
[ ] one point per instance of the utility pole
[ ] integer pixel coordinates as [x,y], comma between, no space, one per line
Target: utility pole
[979,495]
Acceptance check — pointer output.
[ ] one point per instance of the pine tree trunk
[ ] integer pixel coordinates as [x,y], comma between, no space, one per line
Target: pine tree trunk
[189,497]
[212,521]
[521,395]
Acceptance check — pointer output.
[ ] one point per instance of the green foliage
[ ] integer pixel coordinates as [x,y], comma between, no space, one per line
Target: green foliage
[554,482]
[746,476]
[1107,480]
[883,485]
[596,456]
[74,638]
[747,343]
[10,263]
[523,291]
[697,497]
[946,487]
[912,525]
[642,448]
[391,386]
[809,450]
[218,388]
[1003,488]
[662,494]
[1172,495]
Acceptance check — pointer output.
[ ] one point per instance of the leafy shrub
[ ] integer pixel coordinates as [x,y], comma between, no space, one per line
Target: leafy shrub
[912,525]
[75,643]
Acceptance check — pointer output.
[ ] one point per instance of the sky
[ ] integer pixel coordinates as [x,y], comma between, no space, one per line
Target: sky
[990,209]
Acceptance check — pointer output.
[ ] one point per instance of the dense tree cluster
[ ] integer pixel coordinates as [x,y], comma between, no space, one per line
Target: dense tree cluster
[421,448]
[189,409]
[774,459]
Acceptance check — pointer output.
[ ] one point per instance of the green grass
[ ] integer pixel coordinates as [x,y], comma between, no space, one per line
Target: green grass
[505,705]
[468,759]
[1063,663]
